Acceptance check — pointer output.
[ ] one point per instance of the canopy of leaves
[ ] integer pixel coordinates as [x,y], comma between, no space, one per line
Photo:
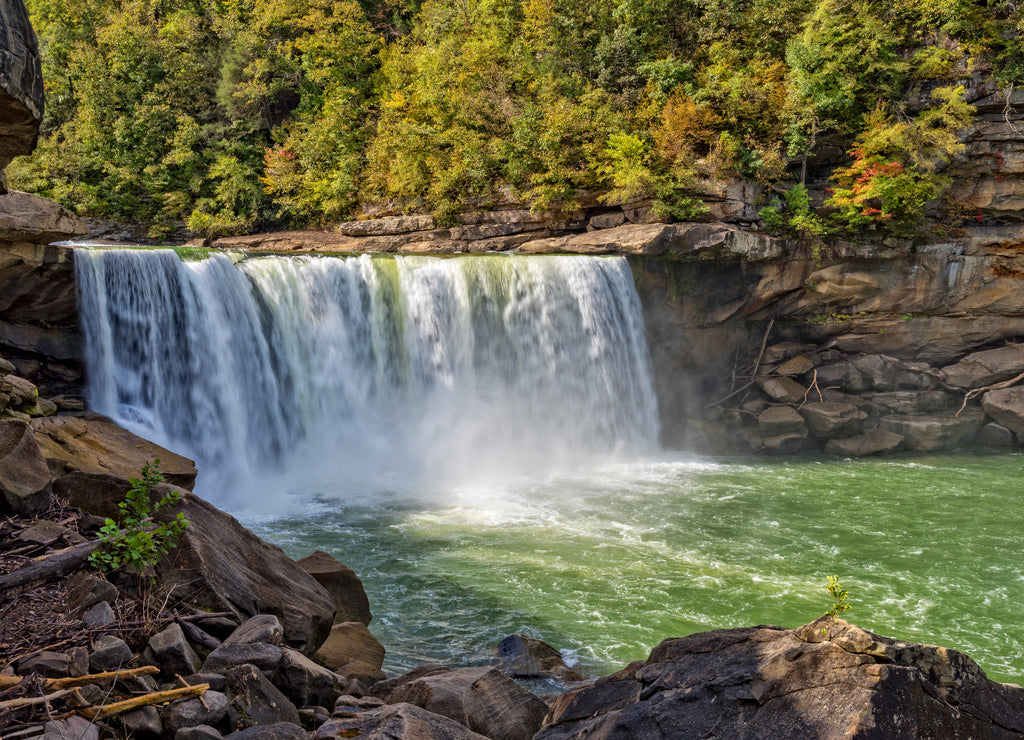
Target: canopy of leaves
[231,115]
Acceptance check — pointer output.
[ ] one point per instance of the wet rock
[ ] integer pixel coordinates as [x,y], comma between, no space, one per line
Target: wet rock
[262,628]
[782,389]
[221,566]
[521,656]
[780,420]
[169,650]
[400,721]
[985,368]
[832,419]
[24,477]
[253,700]
[46,663]
[109,654]
[874,442]
[341,582]
[769,682]
[782,444]
[1006,406]
[483,699]
[210,709]
[99,615]
[351,651]
[930,433]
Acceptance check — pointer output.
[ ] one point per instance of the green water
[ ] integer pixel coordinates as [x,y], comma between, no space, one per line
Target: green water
[606,564]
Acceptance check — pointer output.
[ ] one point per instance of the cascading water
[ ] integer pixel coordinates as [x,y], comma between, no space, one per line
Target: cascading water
[380,370]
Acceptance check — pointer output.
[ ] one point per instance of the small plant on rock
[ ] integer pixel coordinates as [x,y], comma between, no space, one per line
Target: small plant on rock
[840,602]
[138,542]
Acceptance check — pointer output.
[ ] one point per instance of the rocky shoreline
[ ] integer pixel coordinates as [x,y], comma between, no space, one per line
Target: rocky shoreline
[227,637]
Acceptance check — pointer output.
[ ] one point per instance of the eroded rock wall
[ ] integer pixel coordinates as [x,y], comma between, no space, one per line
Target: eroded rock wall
[21,83]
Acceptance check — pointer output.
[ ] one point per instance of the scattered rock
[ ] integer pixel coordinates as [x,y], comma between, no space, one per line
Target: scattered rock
[483,699]
[400,721]
[75,727]
[1006,406]
[199,732]
[143,723]
[769,682]
[341,582]
[279,731]
[88,590]
[265,657]
[99,615]
[46,663]
[262,628]
[305,682]
[24,477]
[521,656]
[209,709]
[253,700]
[169,650]
[41,533]
[109,653]
[349,706]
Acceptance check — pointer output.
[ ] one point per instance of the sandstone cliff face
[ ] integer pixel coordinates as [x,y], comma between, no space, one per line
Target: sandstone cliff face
[21,83]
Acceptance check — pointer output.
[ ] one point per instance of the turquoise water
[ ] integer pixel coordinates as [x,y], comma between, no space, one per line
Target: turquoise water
[607,563]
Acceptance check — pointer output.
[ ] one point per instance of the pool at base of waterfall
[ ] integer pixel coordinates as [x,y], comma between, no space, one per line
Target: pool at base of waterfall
[606,563]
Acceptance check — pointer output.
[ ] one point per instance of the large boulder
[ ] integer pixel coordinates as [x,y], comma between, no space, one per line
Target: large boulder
[24,477]
[95,445]
[483,699]
[221,566]
[985,368]
[522,656]
[826,679]
[930,433]
[351,651]
[874,442]
[833,419]
[341,582]
[1006,406]
[779,420]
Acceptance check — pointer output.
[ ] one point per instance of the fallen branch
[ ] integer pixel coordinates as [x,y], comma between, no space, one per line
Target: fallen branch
[198,636]
[100,678]
[47,568]
[814,385]
[157,697]
[33,701]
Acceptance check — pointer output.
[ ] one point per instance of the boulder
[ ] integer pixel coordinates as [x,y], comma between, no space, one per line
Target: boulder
[930,433]
[46,663]
[399,721]
[796,366]
[263,628]
[169,650]
[18,390]
[985,368]
[483,699]
[277,731]
[41,533]
[199,732]
[1006,406]
[75,727]
[220,565]
[769,682]
[781,444]
[995,435]
[874,442]
[872,372]
[143,723]
[95,444]
[833,419]
[782,389]
[341,582]
[521,656]
[265,657]
[24,477]
[307,683]
[87,590]
[99,615]
[780,420]
[351,651]
[209,709]
[253,700]
[912,402]
[109,653]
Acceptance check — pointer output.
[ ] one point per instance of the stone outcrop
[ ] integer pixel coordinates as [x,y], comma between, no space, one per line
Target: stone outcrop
[24,478]
[769,682]
[344,586]
[21,83]
[522,656]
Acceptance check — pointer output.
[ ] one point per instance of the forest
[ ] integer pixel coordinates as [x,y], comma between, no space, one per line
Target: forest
[228,116]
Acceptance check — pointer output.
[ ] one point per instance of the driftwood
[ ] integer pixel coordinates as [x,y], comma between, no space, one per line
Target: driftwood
[47,568]
[100,678]
[816,387]
[198,636]
[145,700]
[33,701]
[757,366]
[975,392]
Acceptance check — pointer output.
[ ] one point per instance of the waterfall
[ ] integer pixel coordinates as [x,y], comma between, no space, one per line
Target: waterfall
[377,370]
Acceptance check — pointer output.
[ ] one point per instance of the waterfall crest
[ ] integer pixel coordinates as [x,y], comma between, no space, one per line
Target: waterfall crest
[377,369]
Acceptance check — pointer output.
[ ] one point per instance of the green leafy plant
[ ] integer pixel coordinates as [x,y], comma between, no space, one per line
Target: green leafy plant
[138,542]
[840,602]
